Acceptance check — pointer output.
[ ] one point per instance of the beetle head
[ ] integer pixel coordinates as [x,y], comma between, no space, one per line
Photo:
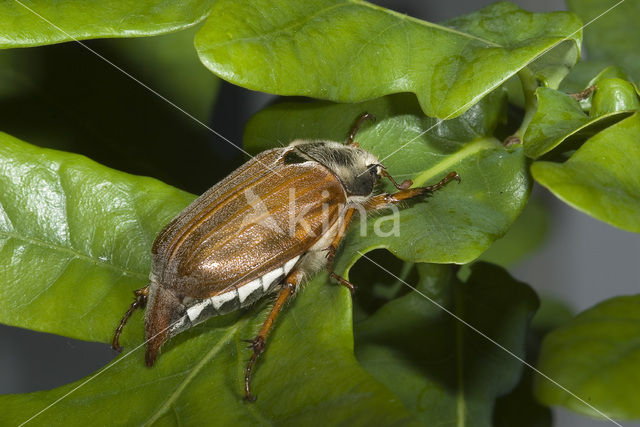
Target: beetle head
[357,169]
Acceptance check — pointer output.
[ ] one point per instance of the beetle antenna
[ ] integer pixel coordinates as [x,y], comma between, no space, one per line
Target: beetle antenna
[402,186]
[356,126]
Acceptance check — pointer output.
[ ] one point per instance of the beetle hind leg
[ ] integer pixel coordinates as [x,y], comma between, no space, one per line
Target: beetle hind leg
[344,282]
[289,286]
[139,302]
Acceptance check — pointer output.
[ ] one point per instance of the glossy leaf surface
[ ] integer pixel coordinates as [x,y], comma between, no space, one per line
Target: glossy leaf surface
[596,356]
[42,22]
[450,372]
[347,51]
[602,178]
[76,238]
[199,376]
[461,220]
[559,117]
[613,95]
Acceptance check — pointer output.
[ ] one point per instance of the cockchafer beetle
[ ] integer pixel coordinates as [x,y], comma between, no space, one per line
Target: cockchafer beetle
[237,243]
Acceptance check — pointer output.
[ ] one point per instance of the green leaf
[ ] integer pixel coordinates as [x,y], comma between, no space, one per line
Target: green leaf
[613,37]
[588,73]
[547,70]
[552,314]
[348,51]
[520,407]
[42,22]
[583,74]
[552,67]
[460,221]
[559,117]
[307,372]
[613,95]
[374,289]
[76,238]
[596,356]
[441,369]
[602,178]
[527,234]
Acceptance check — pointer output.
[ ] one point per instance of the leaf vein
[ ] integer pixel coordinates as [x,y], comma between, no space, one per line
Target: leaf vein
[74,253]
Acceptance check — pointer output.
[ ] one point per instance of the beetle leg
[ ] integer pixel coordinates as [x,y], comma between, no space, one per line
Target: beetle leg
[356,127]
[331,250]
[290,284]
[139,302]
[382,201]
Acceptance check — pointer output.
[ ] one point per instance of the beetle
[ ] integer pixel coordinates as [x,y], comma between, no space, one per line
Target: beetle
[237,241]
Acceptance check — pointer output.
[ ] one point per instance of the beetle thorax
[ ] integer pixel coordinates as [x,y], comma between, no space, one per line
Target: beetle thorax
[357,169]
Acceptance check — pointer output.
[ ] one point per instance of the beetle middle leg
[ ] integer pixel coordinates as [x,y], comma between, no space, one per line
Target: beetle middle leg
[331,251]
[139,302]
[289,286]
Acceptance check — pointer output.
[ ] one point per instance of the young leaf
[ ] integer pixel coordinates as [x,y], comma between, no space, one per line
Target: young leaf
[441,369]
[75,239]
[351,51]
[596,356]
[613,95]
[460,221]
[602,178]
[40,22]
[559,117]
[586,73]
[552,67]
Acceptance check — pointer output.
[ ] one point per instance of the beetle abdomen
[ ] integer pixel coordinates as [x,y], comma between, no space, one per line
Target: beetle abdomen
[199,310]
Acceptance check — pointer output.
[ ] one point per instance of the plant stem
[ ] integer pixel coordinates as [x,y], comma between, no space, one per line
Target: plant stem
[529,86]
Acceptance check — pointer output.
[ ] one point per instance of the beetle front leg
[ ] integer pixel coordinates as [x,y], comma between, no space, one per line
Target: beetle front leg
[139,302]
[385,200]
[331,251]
[290,284]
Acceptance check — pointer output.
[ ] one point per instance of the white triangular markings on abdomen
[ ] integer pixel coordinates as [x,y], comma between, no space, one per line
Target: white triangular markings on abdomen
[218,300]
[269,278]
[194,311]
[289,264]
[197,313]
[248,288]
